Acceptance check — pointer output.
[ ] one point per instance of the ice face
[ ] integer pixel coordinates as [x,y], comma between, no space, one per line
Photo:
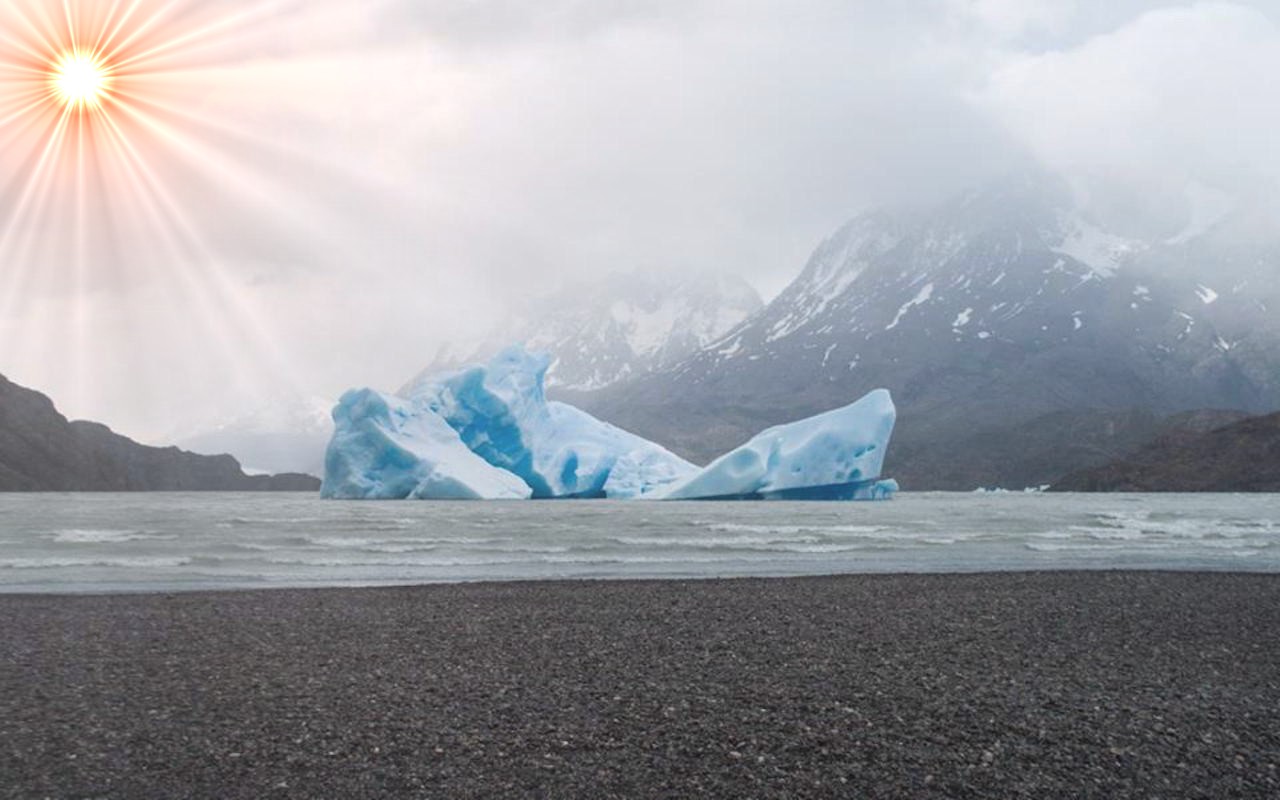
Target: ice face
[386,448]
[501,413]
[643,471]
[836,455]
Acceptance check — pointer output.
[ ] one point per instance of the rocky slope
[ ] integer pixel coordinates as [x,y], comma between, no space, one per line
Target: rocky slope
[1035,453]
[1007,323]
[40,450]
[1240,457]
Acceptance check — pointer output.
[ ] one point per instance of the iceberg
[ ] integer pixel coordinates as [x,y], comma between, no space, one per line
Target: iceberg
[489,432]
[837,455]
[501,413]
[387,448]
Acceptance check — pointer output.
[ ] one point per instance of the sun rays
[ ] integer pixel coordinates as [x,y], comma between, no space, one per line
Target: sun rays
[103,133]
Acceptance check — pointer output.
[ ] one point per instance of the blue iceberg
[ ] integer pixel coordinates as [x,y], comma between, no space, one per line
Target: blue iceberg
[386,448]
[489,432]
[833,456]
[501,413]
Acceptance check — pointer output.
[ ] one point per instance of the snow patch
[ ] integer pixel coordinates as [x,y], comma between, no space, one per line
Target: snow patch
[732,350]
[827,355]
[1100,251]
[921,298]
[1206,295]
[1191,323]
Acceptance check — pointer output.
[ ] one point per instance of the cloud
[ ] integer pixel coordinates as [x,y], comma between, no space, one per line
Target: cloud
[1014,18]
[501,22]
[1185,92]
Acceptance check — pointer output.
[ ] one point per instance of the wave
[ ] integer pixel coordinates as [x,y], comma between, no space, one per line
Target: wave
[1239,549]
[1172,531]
[711,542]
[138,562]
[376,541]
[104,536]
[394,562]
[787,530]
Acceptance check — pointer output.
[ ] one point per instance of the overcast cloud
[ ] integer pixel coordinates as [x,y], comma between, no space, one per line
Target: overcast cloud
[387,175]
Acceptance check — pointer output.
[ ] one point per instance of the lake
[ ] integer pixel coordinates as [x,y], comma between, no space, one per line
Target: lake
[174,542]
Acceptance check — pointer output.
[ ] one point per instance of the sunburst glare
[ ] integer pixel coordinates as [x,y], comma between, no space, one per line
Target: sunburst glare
[108,139]
[80,80]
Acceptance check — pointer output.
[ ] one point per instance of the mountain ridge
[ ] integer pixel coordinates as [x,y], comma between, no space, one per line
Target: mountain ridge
[996,310]
[617,327]
[43,451]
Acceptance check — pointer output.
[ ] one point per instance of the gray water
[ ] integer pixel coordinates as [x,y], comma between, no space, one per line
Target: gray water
[166,542]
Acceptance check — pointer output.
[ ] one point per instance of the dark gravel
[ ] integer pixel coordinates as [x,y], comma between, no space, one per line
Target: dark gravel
[1013,685]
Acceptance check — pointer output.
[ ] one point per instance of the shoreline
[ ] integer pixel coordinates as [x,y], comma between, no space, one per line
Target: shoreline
[7,592]
[1022,684]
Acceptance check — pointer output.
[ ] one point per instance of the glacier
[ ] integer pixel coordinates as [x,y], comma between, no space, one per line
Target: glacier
[489,432]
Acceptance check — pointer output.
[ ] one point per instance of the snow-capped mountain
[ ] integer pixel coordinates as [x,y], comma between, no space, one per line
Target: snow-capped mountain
[623,326]
[982,315]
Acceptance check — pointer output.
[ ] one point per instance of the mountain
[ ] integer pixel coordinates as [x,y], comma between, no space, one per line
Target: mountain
[288,437]
[1037,452]
[621,326]
[1006,322]
[40,450]
[1241,457]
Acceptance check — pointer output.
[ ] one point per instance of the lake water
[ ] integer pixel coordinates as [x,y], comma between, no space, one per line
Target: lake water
[166,542]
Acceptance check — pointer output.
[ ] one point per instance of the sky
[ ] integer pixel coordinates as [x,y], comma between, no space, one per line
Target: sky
[310,196]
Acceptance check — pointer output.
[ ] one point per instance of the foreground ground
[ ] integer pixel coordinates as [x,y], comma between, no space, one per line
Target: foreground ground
[1016,685]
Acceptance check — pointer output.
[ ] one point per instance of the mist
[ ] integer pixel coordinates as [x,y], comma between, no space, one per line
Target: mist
[358,186]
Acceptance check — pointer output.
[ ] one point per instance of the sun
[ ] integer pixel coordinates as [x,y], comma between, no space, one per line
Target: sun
[80,80]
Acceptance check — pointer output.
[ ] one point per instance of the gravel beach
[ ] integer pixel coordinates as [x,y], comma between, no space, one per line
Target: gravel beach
[1002,685]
